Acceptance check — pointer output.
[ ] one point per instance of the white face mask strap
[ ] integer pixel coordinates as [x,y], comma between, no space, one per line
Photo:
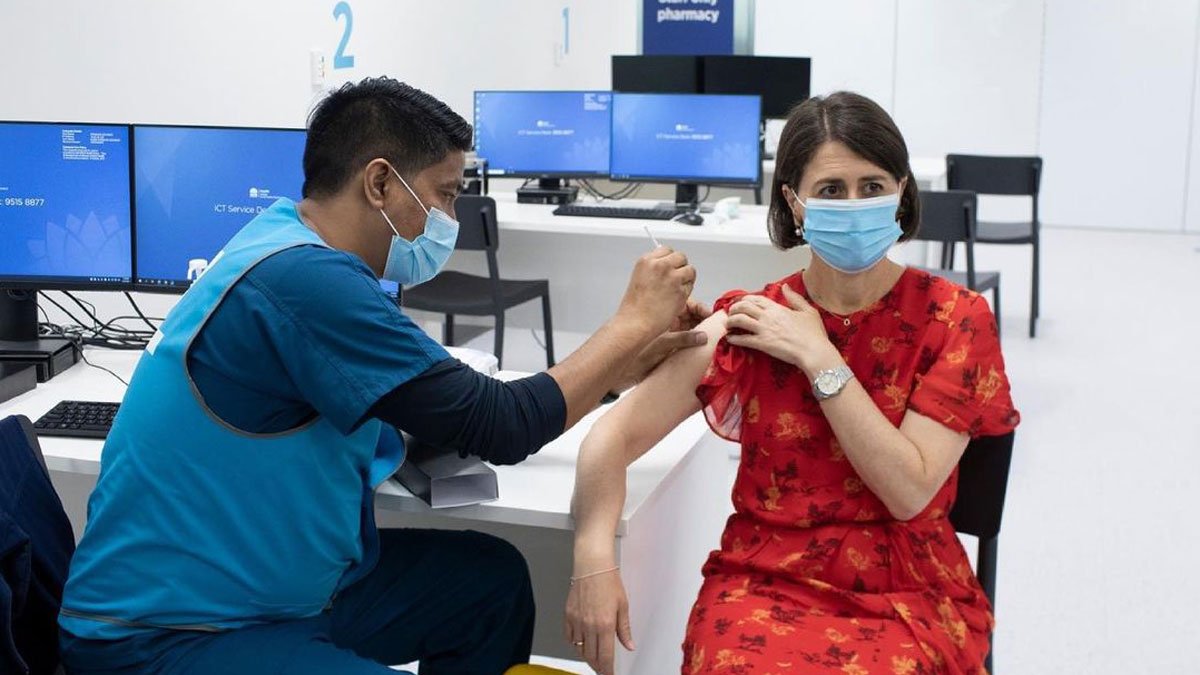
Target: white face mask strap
[796,196]
[410,190]
[389,222]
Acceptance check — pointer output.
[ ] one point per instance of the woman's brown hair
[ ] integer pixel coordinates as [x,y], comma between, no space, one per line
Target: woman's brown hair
[858,123]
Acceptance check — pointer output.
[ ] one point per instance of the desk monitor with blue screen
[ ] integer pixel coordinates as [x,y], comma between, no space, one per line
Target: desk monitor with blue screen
[196,187]
[688,139]
[543,134]
[65,223]
[65,216]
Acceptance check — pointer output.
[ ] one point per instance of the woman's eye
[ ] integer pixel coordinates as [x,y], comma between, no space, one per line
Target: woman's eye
[828,191]
[873,188]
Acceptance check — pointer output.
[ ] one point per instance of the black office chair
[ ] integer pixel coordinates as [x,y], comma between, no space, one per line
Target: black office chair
[456,293]
[949,218]
[1004,176]
[39,546]
[982,483]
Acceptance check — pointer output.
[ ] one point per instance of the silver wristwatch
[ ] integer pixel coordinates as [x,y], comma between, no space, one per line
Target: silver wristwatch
[830,383]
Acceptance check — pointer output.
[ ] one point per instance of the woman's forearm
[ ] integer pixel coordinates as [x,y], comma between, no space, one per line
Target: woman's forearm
[888,462]
[599,497]
[640,420]
[902,466]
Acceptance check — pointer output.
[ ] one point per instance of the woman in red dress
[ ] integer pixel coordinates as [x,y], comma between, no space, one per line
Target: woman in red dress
[853,387]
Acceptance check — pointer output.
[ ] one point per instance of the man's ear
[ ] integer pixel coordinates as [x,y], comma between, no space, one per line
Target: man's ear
[374,182]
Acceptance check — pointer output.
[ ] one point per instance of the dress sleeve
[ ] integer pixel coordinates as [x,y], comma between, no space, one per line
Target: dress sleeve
[965,387]
[722,390]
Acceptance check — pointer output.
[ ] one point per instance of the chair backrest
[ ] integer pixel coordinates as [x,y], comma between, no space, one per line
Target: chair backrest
[988,175]
[477,229]
[948,217]
[982,484]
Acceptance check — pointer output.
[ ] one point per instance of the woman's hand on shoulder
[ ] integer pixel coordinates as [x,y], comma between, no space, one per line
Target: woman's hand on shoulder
[795,334]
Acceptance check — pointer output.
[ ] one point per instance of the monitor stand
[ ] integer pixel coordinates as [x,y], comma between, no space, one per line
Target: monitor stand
[548,191]
[20,341]
[687,200]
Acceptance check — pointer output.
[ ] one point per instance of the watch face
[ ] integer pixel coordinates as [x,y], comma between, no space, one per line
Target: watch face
[827,383]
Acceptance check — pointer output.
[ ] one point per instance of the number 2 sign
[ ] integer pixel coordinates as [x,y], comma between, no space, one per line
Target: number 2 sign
[340,58]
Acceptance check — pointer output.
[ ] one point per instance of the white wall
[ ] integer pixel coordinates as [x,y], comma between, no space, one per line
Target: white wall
[851,42]
[228,62]
[967,76]
[1116,111]
[1192,202]
[1105,91]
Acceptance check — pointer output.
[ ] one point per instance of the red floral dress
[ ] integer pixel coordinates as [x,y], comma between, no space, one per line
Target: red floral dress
[813,574]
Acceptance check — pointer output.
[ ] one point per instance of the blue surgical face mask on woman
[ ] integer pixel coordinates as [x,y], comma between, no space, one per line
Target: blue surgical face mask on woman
[414,262]
[851,235]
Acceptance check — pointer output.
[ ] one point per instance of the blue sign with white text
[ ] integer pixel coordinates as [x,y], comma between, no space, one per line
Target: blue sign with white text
[687,27]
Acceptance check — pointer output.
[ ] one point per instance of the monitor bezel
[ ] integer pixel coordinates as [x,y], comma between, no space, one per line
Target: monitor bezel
[78,283]
[723,181]
[177,288]
[535,174]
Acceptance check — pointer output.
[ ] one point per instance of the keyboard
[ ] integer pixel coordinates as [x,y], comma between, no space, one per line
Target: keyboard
[615,212]
[80,419]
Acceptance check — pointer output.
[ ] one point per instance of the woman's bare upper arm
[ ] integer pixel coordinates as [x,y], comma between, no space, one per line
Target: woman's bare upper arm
[649,412]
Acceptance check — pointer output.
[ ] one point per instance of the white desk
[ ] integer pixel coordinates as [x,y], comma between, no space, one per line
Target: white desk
[677,501]
[748,229]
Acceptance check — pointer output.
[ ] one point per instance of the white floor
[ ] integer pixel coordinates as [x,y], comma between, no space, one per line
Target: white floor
[1099,567]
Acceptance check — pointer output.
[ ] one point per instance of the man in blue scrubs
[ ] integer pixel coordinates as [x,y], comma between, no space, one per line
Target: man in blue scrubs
[231,530]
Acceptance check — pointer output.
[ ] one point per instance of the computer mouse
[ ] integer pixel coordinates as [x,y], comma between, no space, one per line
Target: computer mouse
[689,218]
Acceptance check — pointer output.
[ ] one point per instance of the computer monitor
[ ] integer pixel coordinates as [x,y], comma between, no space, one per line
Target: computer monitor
[781,81]
[657,74]
[688,139]
[196,187]
[65,222]
[65,216]
[543,134]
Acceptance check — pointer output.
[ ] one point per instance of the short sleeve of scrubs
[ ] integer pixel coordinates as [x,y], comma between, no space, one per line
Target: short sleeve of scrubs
[306,332]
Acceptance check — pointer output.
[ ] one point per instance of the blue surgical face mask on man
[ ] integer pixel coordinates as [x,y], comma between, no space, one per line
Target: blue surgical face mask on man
[851,235]
[414,262]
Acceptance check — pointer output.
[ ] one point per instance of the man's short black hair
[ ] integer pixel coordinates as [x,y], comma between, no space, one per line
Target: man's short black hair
[377,117]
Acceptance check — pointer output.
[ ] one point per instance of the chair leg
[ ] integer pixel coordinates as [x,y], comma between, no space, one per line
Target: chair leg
[448,331]
[499,345]
[985,568]
[548,326]
[1034,308]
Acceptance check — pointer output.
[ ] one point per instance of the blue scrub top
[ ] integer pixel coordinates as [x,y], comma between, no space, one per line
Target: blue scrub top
[197,523]
[306,332]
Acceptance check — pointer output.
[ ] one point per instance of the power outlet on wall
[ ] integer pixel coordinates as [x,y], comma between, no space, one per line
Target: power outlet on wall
[316,68]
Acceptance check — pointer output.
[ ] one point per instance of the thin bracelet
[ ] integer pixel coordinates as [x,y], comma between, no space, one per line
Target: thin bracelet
[594,574]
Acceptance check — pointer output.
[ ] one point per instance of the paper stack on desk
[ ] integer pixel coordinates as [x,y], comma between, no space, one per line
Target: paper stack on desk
[442,479]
